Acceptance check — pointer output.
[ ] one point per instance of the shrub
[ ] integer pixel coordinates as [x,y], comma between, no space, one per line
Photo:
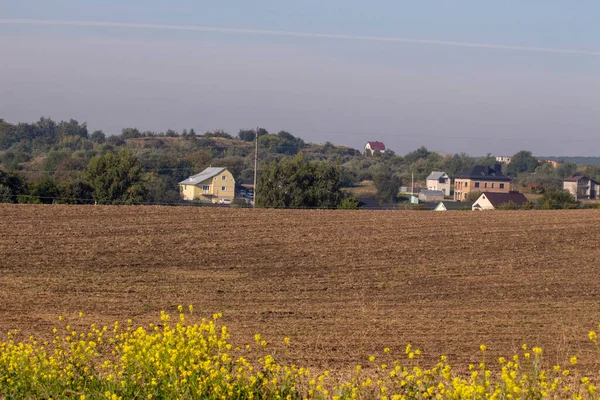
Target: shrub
[350,203]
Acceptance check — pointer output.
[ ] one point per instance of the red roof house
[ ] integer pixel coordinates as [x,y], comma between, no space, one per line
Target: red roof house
[373,147]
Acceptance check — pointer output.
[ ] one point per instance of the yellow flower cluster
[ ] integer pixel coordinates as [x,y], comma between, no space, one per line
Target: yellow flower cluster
[178,360]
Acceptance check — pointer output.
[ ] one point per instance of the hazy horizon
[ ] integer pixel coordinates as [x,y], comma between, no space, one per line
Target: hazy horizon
[475,78]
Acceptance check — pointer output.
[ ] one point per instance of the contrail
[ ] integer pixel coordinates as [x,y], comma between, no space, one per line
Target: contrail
[198,28]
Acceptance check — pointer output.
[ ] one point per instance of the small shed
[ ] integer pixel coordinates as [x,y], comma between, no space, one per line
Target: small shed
[431,195]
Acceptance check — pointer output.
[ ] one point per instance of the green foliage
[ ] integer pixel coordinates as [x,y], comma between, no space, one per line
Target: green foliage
[116,178]
[281,143]
[523,161]
[76,191]
[46,190]
[98,137]
[247,135]
[473,196]
[386,183]
[159,190]
[414,156]
[6,195]
[297,183]
[130,133]
[12,159]
[566,169]
[350,203]
[458,163]
[556,200]
[13,183]
[218,133]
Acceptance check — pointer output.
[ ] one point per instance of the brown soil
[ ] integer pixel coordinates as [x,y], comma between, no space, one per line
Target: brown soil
[341,284]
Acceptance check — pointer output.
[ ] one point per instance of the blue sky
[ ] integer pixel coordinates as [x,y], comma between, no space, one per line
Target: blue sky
[450,98]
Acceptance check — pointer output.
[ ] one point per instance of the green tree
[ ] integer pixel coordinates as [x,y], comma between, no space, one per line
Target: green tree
[566,169]
[523,161]
[297,183]
[6,195]
[350,203]
[116,178]
[247,135]
[46,190]
[386,183]
[556,200]
[13,185]
[98,137]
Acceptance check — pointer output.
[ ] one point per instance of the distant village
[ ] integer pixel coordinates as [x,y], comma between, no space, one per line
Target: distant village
[439,192]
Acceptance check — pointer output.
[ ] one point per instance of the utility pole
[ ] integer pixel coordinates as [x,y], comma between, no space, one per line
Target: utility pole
[255,167]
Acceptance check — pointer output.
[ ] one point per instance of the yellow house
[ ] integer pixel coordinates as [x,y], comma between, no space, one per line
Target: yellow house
[214,185]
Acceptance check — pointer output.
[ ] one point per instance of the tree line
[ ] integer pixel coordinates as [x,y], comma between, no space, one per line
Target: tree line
[48,161]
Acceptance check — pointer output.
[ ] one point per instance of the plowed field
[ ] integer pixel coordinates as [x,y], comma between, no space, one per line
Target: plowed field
[341,284]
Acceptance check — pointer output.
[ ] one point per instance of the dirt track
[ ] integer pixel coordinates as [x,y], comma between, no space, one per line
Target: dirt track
[341,284]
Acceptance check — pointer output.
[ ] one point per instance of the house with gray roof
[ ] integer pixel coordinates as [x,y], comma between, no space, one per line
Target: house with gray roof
[439,180]
[213,185]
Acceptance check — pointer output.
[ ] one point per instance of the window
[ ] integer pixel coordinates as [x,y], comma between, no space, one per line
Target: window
[184,187]
[223,188]
[223,177]
[485,185]
[476,184]
[502,186]
[206,188]
[466,184]
[492,185]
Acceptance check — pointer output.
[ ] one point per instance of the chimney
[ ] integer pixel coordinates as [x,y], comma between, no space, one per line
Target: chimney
[498,168]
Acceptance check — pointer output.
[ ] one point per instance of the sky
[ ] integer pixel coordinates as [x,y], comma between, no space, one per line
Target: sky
[454,76]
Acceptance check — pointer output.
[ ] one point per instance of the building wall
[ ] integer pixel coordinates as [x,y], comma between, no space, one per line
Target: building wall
[434,184]
[221,186]
[483,202]
[462,187]
[428,198]
[571,187]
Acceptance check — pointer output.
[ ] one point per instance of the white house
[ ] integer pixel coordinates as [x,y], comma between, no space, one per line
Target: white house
[439,180]
[503,159]
[582,187]
[491,200]
[374,147]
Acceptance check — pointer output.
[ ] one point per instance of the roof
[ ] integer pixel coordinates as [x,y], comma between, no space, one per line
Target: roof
[484,173]
[435,175]
[501,198]
[427,192]
[577,178]
[574,178]
[202,176]
[376,146]
[456,205]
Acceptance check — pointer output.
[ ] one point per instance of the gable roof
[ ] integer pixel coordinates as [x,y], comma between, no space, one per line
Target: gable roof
[500,198]
[202,176]
[577,178]
[376,146]
[574,178]
[456,205]
[435,175]
[483,173]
